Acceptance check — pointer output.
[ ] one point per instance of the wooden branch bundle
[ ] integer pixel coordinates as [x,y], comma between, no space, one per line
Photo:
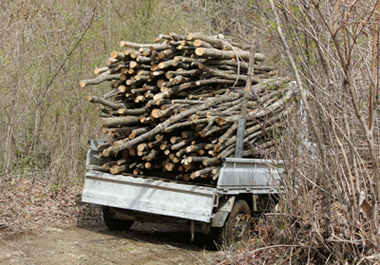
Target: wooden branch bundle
[176,104]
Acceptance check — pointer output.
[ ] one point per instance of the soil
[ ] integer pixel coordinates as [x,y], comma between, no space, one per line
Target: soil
[91,242]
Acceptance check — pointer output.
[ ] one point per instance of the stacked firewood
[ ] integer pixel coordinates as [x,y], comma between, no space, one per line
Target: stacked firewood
[174,105]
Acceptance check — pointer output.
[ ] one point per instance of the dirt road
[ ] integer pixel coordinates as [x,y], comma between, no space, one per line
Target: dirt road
[40,226]
[93,243]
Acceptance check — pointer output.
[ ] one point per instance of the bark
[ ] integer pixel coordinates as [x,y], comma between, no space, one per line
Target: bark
[200,43]
[157,113]
[120,130]
[194,159]
[107,166]
[152,155]
[117,55]
[116,169]
[98,80]
[137,132]
[184,124]
[193,72]
[181,144]
[219,73]
[194,148]
[104,102]
[115,121]
[219,54]
[157,47]
[111,61]
[113,150]
[214,41]
[204,171]
[228,133]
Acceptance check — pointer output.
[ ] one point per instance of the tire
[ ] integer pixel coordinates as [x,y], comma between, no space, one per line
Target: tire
[237,226]
[113,223]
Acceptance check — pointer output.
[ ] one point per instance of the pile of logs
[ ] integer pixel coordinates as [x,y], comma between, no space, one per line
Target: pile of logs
[173,106]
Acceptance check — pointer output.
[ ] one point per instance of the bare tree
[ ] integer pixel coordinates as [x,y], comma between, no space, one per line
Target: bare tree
[336,49]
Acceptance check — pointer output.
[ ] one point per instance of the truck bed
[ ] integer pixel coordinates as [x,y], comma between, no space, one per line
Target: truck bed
[171,198]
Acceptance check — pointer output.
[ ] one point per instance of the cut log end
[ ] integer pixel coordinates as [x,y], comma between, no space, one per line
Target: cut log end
[82,83]
[199,51]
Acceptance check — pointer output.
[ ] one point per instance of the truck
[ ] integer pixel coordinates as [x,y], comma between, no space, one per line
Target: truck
[245,187]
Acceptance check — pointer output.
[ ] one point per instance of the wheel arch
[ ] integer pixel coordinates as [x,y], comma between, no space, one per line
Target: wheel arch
[257,203]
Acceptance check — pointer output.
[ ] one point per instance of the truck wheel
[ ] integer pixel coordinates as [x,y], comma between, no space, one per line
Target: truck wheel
[236,228]
[111,221]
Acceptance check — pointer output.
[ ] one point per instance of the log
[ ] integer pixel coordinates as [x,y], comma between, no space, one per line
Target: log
[121,161]
[185,59]
[167,64]
[104,102]
[184,124]
[204,171]
[137,132]
[124,111]
[176,37]
[137,46]
[113,150]
[180,91]
[194,159]
[192,72]
[107,166]
[168,53]
[143,59]
[111,61]
[152,155]
[117,55]
[122,121]
[164,146]
[181,144]
[228,133]
[200,43]
[98,80]
[211,161]
[119,130]
[169,166]
[117,169]
[220,54]
[175,89]
[214,41]
[219,73]
[100,70]
[175,139]
[194,147]
[216,176]
[157,113]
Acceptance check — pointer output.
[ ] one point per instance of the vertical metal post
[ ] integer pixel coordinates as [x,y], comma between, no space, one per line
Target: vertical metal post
[240,138]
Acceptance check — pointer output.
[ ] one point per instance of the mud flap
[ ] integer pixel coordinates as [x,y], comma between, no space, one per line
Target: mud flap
[223,211]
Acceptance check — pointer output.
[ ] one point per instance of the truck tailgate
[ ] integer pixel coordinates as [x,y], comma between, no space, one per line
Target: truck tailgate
[149,195]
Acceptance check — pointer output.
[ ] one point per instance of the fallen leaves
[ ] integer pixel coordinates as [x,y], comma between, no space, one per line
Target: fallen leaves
[28,204]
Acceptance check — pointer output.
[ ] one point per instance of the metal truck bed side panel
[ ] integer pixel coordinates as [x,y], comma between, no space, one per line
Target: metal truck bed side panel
[149,195]
[251,175]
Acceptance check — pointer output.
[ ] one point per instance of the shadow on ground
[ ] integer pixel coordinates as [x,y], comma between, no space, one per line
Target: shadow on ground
[169,235]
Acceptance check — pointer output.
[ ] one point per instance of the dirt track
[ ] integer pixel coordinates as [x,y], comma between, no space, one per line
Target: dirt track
[93,243]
